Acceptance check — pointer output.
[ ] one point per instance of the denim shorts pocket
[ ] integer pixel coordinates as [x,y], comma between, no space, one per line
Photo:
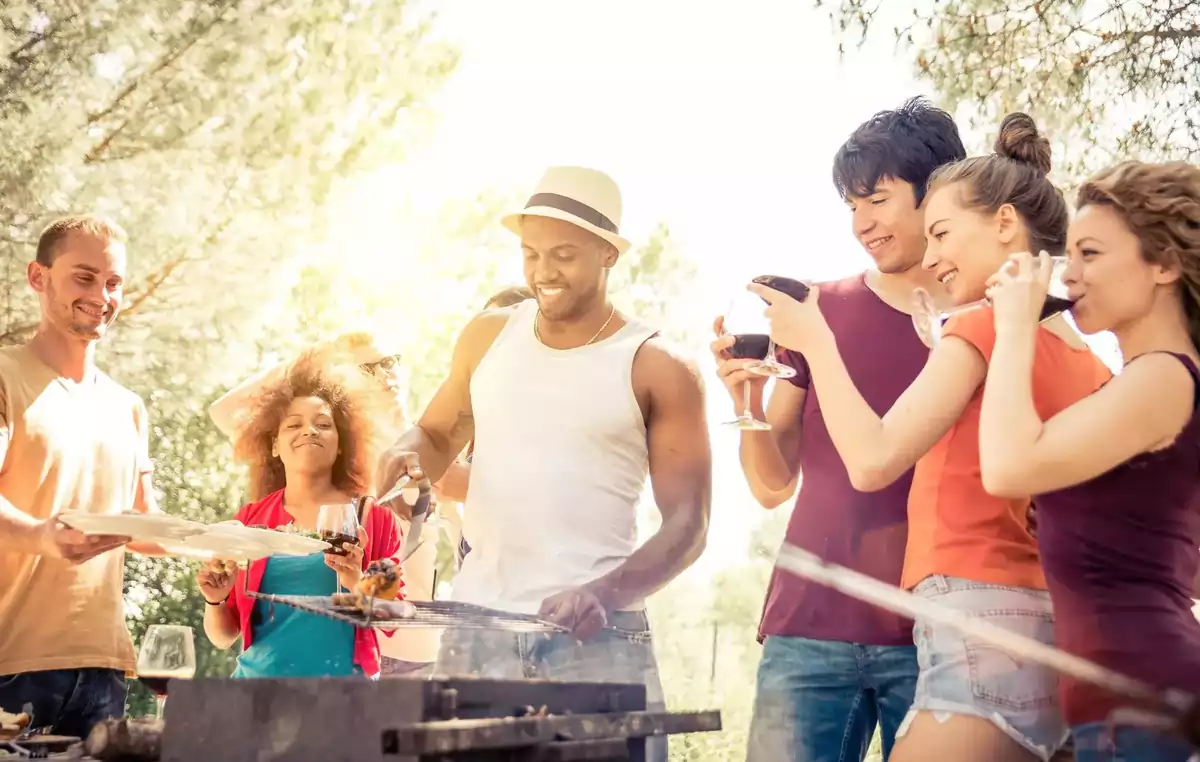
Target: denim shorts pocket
[1007,683]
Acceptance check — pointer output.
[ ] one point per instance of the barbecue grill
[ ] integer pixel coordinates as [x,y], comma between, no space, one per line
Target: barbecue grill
[406,719]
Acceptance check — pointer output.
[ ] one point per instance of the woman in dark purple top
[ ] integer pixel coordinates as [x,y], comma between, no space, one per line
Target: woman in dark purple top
[1118,474]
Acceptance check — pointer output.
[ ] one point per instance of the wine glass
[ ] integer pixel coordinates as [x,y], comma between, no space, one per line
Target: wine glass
[929,321]
[168,653]
[745,321]
[770,365]
[338,525]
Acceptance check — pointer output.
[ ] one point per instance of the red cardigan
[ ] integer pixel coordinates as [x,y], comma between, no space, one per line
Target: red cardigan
[383,541]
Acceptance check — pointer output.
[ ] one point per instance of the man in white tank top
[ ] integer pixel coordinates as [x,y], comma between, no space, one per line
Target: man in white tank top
[570,405]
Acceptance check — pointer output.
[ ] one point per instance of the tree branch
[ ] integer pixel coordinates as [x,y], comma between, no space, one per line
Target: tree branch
[153,71]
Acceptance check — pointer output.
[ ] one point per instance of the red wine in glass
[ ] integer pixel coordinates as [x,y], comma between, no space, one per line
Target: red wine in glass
[1055,305]
[798,290]
[338,542]
[338,525]
[750,346]
[746,323]
[156,684]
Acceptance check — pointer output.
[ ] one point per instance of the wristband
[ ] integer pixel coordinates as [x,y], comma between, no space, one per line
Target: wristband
[218,603]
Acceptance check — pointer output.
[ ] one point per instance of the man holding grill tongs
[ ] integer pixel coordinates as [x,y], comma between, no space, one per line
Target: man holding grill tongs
[570,404]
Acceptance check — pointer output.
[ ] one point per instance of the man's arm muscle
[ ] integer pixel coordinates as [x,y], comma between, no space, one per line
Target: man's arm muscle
[680,474]
[448,423]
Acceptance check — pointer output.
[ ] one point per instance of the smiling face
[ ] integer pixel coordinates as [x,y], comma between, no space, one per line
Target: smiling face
[565,266]
[888,225]
[966,246]
[307,438]
[1111,282]
[81,291]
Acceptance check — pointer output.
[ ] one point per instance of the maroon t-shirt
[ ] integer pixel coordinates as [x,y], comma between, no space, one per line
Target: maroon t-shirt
[1120,554]
[865,531]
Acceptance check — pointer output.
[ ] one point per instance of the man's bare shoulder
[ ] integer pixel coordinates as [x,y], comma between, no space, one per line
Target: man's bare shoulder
[477,337]
[662,367]
[14,359]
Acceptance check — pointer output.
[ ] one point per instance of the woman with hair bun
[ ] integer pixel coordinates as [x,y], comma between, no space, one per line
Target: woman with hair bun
[967,549]
[1116,474]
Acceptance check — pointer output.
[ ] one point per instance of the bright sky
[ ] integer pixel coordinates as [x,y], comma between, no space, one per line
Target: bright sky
[719,118]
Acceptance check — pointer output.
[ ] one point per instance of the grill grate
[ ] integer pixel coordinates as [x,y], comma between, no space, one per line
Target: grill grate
[424,614]
[437,614]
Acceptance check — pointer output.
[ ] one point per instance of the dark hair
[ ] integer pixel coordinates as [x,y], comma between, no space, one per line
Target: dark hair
[1160,203]
[907,144]
[1015,174]
[60,229]
[508,297]
[348,398]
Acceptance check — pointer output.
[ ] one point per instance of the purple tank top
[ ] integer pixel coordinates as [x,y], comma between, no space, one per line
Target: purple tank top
[865,531]
[1121,555]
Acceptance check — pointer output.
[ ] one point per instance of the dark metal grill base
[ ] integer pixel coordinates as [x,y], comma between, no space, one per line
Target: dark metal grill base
[403,719]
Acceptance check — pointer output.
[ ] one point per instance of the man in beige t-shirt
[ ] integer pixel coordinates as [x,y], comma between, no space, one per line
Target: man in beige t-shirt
[72,440]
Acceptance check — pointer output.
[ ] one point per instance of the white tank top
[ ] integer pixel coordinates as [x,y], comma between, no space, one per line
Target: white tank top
[560,461]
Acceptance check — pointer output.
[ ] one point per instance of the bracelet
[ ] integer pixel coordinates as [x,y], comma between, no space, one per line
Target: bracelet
[218,603]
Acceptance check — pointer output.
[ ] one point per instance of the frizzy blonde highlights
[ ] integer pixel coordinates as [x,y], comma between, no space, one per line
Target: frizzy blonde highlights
[349,399]
[1160,203]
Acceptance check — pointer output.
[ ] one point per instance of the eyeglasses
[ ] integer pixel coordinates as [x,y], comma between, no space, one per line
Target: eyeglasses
[386,363]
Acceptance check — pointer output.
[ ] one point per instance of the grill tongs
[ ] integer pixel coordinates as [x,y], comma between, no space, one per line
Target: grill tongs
[420,509]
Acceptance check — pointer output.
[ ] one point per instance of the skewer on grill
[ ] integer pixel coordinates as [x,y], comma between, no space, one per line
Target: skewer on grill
[1169,710]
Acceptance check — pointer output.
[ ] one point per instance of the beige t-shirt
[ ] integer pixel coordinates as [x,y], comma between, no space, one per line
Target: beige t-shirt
[71,447]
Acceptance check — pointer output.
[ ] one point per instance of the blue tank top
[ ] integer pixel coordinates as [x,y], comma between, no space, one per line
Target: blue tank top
[292,643]
[1120,555]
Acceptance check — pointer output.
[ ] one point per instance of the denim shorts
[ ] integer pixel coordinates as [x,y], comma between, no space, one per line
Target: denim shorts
[961,676]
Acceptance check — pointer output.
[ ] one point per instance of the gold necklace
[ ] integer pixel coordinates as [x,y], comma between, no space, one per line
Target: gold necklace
[537,334]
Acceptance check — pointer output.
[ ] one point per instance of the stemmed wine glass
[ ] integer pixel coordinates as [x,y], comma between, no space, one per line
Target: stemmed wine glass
[744,320]
[338,526]
[770,365]
[168,653]
[929,321]
[751,331]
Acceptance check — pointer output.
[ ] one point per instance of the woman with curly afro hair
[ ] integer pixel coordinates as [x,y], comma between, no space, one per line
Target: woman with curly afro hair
[1115,474]
[308,444]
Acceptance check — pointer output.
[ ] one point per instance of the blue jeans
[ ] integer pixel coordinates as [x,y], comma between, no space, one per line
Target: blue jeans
[607,658]
[819,700]
[1097,742]
[68,701]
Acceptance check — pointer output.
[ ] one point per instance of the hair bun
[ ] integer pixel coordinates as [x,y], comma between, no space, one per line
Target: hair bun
[1019,140]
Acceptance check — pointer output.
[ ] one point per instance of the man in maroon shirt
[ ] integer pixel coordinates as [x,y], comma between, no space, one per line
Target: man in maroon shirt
[832,667]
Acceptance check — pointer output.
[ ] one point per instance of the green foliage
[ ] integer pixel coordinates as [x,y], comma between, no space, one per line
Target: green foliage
[652,282]
[1108,79]
[212,130]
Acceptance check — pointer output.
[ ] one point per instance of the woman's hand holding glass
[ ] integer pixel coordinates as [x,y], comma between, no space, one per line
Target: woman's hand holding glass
[349,565]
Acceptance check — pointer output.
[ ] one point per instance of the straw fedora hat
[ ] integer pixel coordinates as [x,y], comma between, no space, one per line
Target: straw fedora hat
[584,197]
